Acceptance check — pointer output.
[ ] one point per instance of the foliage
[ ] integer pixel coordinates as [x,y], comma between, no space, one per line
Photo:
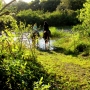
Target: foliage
[84,29]
[69,73]
[64,4]
[30,17]
[64,18]
[84,19]
[40,86]
[70,4]
[21,5]
[22,66]
[56,32]
[84,15]
[73,43]
[45,5]
[49,5]
[35,5]
[7,21]
[19,68]
[56,18]
[0,4]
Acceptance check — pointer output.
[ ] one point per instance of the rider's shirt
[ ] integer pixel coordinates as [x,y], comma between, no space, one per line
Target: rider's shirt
[34,27]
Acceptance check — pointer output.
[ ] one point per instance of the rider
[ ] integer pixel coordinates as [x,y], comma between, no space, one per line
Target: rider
[46,33]
[35,27]
[35,30]
[46,29]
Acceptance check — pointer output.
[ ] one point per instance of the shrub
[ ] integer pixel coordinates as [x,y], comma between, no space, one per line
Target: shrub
[56,18]
[19,68]
[7,21]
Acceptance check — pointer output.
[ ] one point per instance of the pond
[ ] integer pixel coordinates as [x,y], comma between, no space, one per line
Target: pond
[41,42]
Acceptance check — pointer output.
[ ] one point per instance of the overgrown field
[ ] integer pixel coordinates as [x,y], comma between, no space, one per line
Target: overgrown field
[67,67]
[67,72]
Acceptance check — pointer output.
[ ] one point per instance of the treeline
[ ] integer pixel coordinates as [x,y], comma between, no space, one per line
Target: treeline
[56,18]
[47,5]
[56,12]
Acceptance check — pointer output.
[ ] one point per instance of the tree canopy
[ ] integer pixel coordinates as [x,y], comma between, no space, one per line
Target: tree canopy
[70,4]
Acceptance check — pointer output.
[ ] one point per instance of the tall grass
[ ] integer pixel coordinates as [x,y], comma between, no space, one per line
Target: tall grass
[56,32]
[68,72]
[19,68]
[73,43]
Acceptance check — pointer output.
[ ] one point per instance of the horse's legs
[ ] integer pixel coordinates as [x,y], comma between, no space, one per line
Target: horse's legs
[37,44]
[46,44]
[33,42]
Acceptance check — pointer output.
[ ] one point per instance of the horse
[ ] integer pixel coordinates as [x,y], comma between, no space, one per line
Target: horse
[46,37]
[35,35]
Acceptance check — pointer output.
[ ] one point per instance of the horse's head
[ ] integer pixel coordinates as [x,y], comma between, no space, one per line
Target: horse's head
[35,34]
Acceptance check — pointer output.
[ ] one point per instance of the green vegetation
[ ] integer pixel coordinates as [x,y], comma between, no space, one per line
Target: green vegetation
[56,18]
[19,68]
[67,72]
[24,67]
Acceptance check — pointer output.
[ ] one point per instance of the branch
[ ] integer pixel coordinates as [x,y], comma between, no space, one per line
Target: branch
[6,13]
[7,5]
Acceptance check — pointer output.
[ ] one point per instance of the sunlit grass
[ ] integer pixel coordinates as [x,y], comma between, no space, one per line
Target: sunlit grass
[67,69]
[63,72]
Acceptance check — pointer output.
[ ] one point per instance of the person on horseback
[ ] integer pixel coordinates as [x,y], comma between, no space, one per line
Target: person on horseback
[35,27]
[46,34]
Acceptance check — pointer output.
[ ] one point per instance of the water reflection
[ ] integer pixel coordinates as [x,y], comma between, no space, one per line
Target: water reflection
[41,42]
[28,42]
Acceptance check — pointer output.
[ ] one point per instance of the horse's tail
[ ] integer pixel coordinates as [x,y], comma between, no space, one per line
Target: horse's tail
[49,33]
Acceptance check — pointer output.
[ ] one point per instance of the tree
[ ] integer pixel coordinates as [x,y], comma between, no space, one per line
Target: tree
[35,5]
[46,5]
[70,4]
[64,4]
[84,16]
[6,20]
[3,7]
[50,5]
[77,4]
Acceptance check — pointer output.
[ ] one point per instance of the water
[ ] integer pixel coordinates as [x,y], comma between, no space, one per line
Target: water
[41,42]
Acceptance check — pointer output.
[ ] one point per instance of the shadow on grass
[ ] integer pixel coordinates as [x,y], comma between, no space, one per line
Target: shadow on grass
[20,76]
[64,51]
[48,51]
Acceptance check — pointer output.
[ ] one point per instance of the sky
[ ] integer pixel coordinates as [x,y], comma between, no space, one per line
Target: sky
[7,1]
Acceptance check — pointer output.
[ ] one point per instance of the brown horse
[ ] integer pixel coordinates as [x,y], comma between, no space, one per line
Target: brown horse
[46,36]
[35,36]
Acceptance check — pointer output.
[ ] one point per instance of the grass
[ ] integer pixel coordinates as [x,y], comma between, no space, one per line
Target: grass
[70,73]
[63,72]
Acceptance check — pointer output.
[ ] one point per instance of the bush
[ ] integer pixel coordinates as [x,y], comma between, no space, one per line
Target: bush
[19,68]
[56,32]
[56,18]
[74,43]
[7,21]
[80,48]
[30,17]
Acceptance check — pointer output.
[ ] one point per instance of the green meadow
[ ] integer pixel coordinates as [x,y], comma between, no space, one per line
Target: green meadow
[67,72]
[66,67]
[23,66]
